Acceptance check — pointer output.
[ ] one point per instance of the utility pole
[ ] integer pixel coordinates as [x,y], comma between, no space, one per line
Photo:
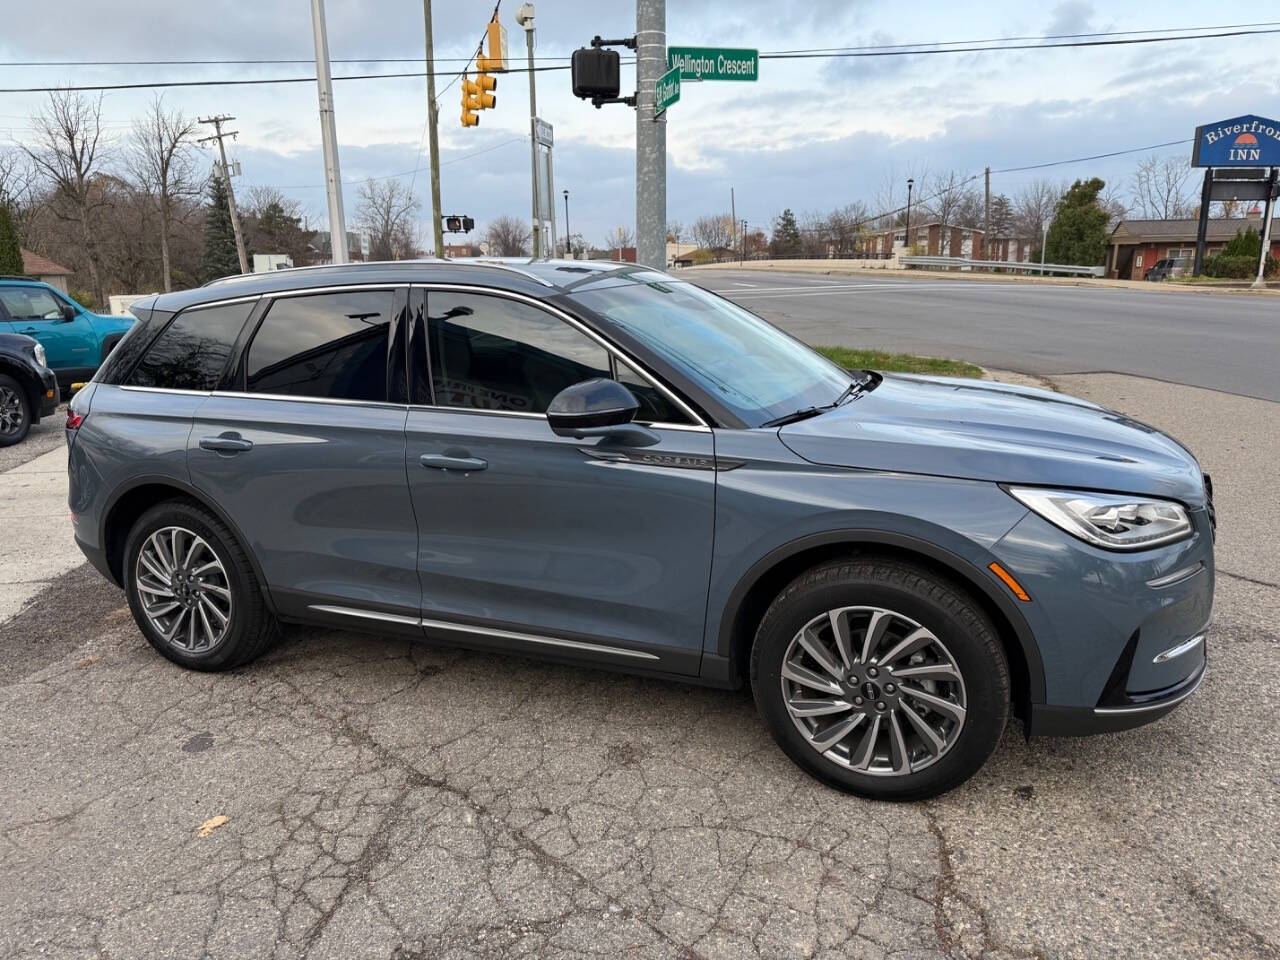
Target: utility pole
[437,227]
[986,217]
[329,136]
[226,179]
[524,16]
[651,134]
[733,218]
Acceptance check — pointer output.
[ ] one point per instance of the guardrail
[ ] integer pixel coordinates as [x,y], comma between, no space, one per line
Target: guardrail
[1002,265]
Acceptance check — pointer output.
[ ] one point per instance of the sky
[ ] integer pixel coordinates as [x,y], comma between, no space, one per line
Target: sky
[810,134]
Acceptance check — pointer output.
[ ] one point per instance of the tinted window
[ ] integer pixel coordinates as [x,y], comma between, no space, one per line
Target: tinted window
[491,353]
[331,345]
[192,352]
[30,303]
[654,406]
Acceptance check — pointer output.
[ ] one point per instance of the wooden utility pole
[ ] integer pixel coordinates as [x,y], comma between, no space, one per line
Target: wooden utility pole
[437,226]
[986,219]
[226,179]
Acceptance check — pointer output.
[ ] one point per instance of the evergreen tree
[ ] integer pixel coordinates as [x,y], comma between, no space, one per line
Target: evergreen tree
[786,235]
[10,252]
[220,257]
[1078,233]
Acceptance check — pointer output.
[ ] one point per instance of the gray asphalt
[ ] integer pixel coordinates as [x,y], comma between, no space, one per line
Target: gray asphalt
[1228,342]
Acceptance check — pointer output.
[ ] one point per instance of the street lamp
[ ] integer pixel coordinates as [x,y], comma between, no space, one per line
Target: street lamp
[568,234]
[1044,242]
[910,183]
[744,241]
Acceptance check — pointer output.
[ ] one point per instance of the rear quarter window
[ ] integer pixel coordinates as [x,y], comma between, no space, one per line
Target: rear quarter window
[192,352]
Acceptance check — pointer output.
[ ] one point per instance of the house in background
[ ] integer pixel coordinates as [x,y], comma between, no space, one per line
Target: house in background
[42,268]
[1136,245]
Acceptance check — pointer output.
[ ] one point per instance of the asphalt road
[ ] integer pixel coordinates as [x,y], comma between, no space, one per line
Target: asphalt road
[1221,341]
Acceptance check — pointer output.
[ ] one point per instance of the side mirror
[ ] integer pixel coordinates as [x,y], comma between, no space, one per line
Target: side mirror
[68,312]
[598,408]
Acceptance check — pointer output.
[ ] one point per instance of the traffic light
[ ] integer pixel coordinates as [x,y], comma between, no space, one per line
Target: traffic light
[595,73]
[476,96]
[452,224]
[468,224]
[496,60]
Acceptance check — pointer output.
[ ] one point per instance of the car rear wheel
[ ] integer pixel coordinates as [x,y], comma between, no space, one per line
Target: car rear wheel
[880,678]
[192,590]
[15,411]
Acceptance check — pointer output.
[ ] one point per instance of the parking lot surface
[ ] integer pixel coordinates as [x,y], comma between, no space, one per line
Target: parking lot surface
[395,800]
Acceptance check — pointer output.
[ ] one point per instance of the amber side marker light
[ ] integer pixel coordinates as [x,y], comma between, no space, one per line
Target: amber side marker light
[1009,582]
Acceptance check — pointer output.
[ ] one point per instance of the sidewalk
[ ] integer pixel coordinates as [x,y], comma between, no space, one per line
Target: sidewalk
[36,545]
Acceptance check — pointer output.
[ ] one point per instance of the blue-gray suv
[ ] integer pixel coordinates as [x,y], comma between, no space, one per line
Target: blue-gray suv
[602,465]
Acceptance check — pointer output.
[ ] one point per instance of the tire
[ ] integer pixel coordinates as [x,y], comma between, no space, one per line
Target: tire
[15,411]
[247,629]
[902,606]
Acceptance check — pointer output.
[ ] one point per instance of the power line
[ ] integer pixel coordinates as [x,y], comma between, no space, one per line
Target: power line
[768,53]
[798,55]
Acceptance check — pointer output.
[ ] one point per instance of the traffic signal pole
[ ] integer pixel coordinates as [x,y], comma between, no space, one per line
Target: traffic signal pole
[651,135]
[535,220]
[434,137]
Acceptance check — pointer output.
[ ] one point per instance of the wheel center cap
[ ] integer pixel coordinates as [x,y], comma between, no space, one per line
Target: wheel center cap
[871,690]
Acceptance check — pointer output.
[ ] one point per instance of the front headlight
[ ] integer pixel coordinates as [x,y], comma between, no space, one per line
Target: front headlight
[1112,521]
[41,357]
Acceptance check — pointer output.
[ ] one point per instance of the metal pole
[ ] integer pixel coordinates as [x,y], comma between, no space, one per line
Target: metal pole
[328,137]
[1206,193]
[1044,242]
[744,241]
[568,234]
[536,219]
[651,135]
[733,218]
[1268,212]
[986,217]
[437,225]
[907,243]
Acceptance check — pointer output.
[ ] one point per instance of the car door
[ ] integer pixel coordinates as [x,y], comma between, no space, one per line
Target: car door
[577,549]
[36,312]
[304,448]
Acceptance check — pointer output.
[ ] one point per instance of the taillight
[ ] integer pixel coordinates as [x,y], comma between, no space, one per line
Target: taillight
[74,419]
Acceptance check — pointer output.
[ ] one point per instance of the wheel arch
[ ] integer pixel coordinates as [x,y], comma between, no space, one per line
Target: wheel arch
[769,575]
[26,380]
[131,500]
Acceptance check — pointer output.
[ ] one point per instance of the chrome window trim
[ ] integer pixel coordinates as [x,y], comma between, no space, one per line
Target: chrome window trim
[216,303]
[173,390]
[336,401]
[538,638]
[441,408]
[389,286]
[698,423]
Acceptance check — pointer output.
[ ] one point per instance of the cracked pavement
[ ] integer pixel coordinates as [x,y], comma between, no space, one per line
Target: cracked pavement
[389,799]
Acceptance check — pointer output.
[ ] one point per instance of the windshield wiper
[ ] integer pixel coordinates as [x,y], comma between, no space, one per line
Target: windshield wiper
[804,413]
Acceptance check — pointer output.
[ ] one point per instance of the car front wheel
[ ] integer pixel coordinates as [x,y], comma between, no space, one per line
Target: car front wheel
[15,412]
[192,590]
[880,678]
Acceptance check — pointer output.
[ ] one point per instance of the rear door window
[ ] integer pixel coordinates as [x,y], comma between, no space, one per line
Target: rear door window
[332,346]
[192,352]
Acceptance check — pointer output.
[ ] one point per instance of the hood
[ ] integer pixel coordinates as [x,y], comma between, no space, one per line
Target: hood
[980,430]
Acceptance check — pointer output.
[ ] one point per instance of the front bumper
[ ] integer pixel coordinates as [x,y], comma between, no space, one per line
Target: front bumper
[1120,635]
[49,392]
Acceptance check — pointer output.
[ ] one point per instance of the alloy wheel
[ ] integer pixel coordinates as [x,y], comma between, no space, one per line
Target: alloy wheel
[874,691]
[184,589]
[12,416]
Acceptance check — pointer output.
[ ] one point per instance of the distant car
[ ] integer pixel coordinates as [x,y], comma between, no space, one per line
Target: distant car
[76,340]
[28,388]
[1163,269]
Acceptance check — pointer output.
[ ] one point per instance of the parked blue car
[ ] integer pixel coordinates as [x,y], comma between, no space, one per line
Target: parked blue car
[602,465]
[75,340]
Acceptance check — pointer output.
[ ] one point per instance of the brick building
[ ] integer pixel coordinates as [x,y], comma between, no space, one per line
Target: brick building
[1136,245]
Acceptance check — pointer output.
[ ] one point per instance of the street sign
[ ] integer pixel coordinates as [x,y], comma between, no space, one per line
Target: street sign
[714,63]
[666,92]
[1248,141]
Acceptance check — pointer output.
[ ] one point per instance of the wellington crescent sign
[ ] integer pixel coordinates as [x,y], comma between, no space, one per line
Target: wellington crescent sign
[714,63]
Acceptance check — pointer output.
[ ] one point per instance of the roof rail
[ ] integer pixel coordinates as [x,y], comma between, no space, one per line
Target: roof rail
[503,265]
[322,266]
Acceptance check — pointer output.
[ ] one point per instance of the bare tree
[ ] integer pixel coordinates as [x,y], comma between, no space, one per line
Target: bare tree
[162,159]
[951,199]
[617,238]
[386,211]
[508,237]
[1160,188]
[1034,206]
[19,183]
[713,231]
[67,148]
[1112,201]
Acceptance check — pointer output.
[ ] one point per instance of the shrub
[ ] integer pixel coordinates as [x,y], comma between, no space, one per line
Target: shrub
[85,299]
[1225,266]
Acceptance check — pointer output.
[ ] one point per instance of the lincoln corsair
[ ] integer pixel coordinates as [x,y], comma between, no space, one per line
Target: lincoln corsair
[598,464]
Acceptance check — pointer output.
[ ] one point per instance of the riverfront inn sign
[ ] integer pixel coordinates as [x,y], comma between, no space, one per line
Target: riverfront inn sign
[1248,141]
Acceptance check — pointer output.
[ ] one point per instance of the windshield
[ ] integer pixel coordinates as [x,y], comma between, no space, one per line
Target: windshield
[749,366]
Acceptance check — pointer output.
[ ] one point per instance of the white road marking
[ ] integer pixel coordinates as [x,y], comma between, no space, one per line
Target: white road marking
[739,283]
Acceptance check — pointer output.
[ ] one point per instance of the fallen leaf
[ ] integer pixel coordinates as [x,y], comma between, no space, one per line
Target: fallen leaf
[88,661]
[212,824]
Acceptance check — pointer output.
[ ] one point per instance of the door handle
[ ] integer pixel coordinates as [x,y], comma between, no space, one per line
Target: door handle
[29,331]
[227,443]
[440,461]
